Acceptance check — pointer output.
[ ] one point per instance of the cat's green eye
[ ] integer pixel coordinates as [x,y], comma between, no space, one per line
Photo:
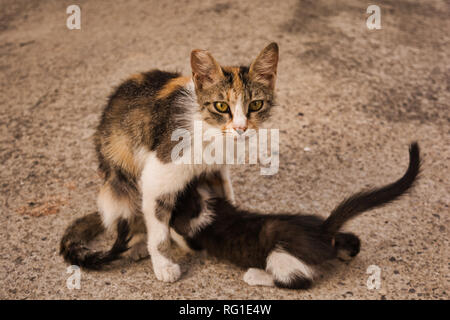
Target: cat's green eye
[255,105]
[221,106]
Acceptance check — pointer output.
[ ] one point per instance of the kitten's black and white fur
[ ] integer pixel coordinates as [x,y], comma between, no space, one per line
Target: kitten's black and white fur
[284,250]
[278,249]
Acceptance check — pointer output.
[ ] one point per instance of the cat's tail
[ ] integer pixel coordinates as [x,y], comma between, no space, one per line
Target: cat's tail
[73,246]
[370,199]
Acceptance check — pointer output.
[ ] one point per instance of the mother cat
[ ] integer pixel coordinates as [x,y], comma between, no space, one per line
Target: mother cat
[134,147]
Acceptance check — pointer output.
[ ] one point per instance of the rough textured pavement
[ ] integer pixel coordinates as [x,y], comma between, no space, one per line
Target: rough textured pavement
[354,98]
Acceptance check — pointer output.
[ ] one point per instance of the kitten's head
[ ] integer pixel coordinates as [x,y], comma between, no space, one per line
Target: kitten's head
[235,99]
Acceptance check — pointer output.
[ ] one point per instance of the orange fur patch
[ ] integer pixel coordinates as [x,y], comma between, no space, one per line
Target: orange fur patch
[138,78]
[118,150]
[237,82]
[171,86]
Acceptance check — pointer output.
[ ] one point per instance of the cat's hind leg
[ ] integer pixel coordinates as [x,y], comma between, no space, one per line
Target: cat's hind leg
[288,271]
[347,245]
[258,277]
[117,199]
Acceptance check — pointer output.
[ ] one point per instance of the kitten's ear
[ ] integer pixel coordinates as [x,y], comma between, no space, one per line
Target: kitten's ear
[205,69]
[264,68]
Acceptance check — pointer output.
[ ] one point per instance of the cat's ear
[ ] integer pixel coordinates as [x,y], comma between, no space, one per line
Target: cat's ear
[264,68]
[205,69]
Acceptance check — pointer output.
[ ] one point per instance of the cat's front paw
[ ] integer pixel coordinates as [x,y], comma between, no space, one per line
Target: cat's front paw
[165,270]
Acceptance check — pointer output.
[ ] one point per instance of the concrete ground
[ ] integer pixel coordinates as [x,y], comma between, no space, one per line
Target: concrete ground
[350,101]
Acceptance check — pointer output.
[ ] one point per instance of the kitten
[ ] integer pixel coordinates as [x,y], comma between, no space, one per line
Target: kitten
[278,249]
[134,146]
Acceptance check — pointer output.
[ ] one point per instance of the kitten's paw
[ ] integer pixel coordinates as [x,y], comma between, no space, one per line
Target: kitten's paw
[138,247]
[138,252]
[165,270]
[258,277]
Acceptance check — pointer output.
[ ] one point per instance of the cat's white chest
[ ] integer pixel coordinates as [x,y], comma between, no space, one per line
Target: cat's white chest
[163,178]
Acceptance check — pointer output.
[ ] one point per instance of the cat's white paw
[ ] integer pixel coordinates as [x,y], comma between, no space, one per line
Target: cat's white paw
[258,277]
[165,270]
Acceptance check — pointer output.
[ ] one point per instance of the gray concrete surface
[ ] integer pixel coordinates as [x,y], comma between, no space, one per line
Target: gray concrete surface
[354,97]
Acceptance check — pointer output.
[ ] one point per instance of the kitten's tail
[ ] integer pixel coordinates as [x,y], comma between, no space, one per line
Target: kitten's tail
[366,200]
[73,246]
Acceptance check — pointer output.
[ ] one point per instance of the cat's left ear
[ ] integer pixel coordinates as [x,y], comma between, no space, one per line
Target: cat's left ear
[264,68]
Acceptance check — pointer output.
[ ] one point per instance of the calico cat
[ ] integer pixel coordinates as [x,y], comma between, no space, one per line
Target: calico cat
[134,143]
[278,249]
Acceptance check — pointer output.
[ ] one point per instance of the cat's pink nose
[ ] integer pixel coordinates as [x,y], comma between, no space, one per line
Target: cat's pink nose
[240,130]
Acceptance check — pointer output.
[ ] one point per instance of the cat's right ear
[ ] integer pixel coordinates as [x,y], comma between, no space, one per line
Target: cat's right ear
[205,69]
